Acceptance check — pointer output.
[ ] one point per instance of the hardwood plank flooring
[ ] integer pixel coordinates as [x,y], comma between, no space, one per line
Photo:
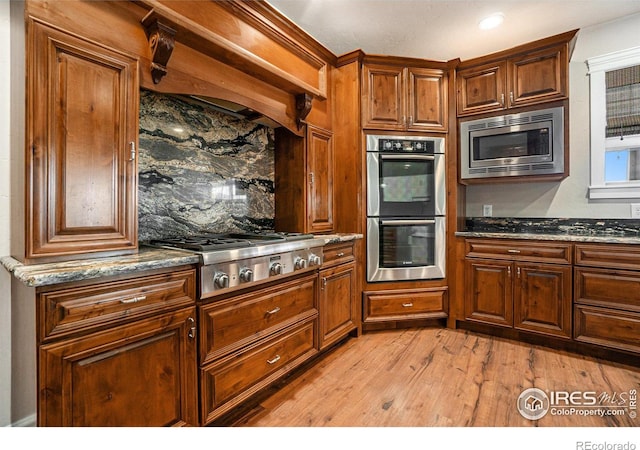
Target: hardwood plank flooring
[440,377]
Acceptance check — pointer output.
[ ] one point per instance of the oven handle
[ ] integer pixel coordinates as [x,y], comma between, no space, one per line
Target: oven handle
[408,157]
[407,222]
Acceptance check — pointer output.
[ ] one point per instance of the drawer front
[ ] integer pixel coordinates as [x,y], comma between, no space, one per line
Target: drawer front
[559,253]
[234,323]
[70,310]
[232,380]
[405,305]
[606,327]
[611,256]
[334,254]
[608,288]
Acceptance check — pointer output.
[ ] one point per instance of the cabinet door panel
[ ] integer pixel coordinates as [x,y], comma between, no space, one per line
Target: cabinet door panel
[488,292]
[427,100]
[538,77]
[542,300]
[383,101]
[481,89]
[337,302]
[82,121]
[141,374]
[320,167]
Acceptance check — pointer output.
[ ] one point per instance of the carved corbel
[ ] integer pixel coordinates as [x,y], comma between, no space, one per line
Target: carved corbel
[303,107]
[161,40]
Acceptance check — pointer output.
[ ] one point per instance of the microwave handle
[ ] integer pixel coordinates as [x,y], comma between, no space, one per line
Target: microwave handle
[407,222]
[410,156]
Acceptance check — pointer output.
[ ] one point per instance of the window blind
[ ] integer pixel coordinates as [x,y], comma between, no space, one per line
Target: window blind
[623,101]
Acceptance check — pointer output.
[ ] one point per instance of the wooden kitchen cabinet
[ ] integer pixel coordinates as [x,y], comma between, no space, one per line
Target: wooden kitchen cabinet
[119,353]
[607,296]
[527,75]
[82,128]
[304,181]
[404,98]
[521,285]
[337,305]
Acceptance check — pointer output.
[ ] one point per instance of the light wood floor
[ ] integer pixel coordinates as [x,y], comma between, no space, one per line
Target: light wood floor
[438,377]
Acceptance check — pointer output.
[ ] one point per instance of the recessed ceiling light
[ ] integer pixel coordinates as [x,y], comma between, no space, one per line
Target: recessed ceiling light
[491,21]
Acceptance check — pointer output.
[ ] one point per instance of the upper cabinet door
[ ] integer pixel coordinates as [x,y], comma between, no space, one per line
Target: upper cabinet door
[481,88]
[82,127]
[320,173]
[427,100]
[383,97]
[538,77]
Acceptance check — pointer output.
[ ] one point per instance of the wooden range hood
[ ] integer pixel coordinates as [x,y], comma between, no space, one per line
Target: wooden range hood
[247,37]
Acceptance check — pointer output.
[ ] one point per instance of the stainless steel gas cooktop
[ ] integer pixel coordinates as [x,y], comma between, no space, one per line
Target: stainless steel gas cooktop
[234,261]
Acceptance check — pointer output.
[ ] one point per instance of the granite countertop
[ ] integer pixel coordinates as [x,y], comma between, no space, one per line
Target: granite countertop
[613,231]
[147,258]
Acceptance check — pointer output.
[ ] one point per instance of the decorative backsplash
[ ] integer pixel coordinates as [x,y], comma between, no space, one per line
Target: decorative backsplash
[200,170]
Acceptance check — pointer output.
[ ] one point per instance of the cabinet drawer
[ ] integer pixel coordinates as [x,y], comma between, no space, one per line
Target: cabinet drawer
[231,324]
[70,310]
[611,255]
[403,305]
[609,288]
[232,380]
[606,327]
[559,253]
[335,254]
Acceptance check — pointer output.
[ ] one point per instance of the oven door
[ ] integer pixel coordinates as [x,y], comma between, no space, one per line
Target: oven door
[405,185]
[405,249]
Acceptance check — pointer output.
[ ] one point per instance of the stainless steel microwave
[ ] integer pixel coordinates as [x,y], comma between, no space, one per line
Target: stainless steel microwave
[528,143]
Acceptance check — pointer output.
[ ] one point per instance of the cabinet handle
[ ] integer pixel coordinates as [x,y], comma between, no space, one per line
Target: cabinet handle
[340,255]
[502,99]
[311,178]
[518,272]
[134,299]
[511,97]
[511,250]
[274,360]
[324,283]
[274,310]
[509,271]
[192,328]
[410,120]
[407,305]
[132,150]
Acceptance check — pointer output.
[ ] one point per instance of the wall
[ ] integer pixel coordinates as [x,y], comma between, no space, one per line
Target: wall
[201,170]
[567,198]
[5,280]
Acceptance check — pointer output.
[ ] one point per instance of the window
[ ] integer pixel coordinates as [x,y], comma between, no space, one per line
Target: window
[615,125]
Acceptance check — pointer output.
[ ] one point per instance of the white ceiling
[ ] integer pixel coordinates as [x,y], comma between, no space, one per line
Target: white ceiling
[443,29]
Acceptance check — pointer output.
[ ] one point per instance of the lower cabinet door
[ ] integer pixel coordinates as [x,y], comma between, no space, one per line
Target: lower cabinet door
[542,299]
[233,379]
[140,374]
[489,292]
[337,304]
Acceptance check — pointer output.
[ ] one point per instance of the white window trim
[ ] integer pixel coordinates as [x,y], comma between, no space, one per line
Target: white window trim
[597,66]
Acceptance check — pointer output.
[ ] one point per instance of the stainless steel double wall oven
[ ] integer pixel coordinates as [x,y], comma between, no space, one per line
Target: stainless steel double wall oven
[406,195]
